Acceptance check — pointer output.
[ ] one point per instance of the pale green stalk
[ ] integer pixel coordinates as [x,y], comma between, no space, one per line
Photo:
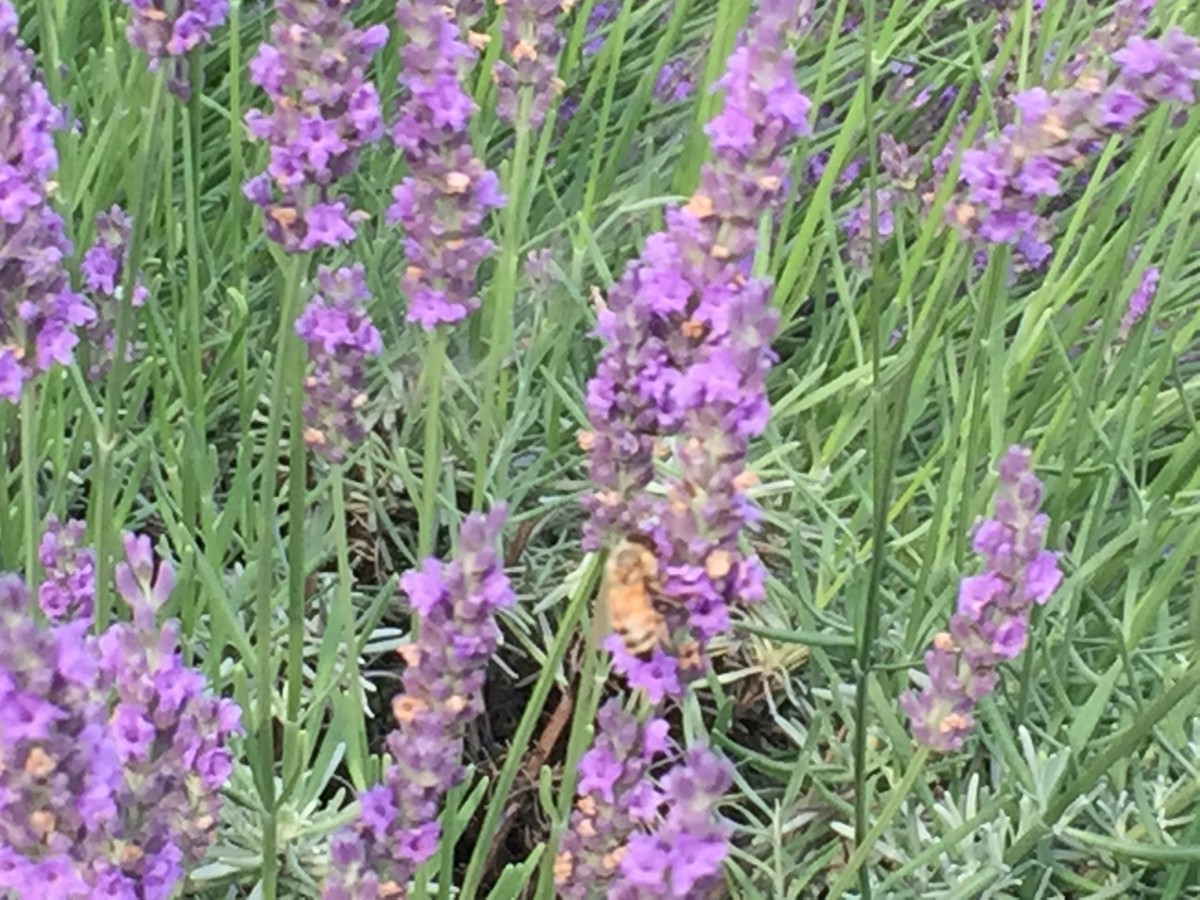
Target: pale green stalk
[500,310]
[105,531]
[288,356]
[356,752]
[435,363]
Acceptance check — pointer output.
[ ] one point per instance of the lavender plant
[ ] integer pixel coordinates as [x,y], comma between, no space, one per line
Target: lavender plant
[170,29]
[990,625]
[40,316]
[397,827]
[687,335]
[103,270]
[325,112]
[443,202]
[340,337]
[112,753]
[290,415]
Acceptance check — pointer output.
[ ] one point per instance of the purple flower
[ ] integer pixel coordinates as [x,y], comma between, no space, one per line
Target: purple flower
[69,586]
[600,16]
[1139,303]
[325,112]
[675,80]
[525,74]
[631,838]
[1002,181]
[991,622]
[171,29]
[103,270]
[443,202]
[397,826]
[39,314]
[340,337]
[111,755]
[687,337]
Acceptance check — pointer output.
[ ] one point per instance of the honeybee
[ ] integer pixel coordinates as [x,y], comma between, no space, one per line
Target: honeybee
[628,595]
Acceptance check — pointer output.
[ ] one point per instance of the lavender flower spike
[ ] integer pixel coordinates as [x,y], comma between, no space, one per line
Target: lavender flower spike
[39,314]
[397,825]
[530,60]
[325,112]
[168,30]
[991,623]
[630,838]
[111,753]
[444,200]
[1139,303]
[340,337]
[103,269]
[687,337]
[69,588]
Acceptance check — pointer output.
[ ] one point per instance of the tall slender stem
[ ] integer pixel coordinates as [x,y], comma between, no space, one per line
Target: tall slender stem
[287,356]
[105,529]
[190,335]
[500,310]
[882,451]
[356,756]
[435,364]
[29,482]
[297,506]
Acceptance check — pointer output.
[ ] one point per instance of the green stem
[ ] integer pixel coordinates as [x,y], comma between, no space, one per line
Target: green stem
[50,52]
[883,821]
[501,308]
[356,754]
[592,678]
[105,530]
[287,354]
[435,364]
[882,467]
[297,570]
[190,353]
[29,483]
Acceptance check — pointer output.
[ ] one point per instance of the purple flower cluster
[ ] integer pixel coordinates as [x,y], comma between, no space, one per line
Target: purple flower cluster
[1003,181]
[527,70]
[39,313]
[171,29]
[111,754]
[687,336]
[325,112]
[991,623]
[1139,303]
[630,838]
[69,587]
[340,337]
[444,200]
[593,30]
[397,827]
[675,80]
[103,270]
